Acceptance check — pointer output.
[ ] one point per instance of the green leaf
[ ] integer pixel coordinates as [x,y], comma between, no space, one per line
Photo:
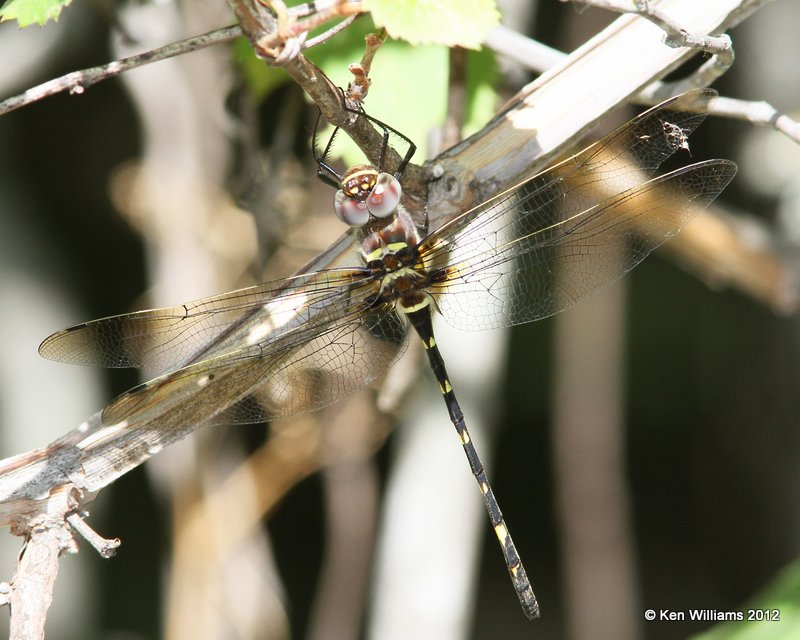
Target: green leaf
[408,90]
[28,12]
[782,596]
[448,22]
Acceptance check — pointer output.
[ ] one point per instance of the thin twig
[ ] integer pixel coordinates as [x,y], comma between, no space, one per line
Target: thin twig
[539,57]
[320,15]
[322,37]
[676,35]
[758,112]
[328,7]
[359,86]
[282,30]
[106,547]
[77,81]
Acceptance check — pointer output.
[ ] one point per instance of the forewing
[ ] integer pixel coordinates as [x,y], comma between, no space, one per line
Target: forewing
[480,250]
[537,260]
[624,158]
[162,340]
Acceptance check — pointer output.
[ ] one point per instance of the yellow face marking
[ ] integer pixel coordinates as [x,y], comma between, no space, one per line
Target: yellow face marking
[359,182]
[364,178]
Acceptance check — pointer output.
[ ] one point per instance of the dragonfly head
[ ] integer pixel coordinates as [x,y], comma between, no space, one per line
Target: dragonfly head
[366,192]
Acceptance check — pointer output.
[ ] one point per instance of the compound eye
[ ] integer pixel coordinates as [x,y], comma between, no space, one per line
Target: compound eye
[352,212]
[385,196]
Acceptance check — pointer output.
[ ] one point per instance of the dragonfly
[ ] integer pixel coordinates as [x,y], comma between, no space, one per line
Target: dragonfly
[298,344]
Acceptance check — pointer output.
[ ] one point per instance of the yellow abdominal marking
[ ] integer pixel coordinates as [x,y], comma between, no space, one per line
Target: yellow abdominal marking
[417,307]
[446,388]
[501,532]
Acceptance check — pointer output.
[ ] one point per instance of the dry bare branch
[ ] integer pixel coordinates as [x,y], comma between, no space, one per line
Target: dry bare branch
[77,82]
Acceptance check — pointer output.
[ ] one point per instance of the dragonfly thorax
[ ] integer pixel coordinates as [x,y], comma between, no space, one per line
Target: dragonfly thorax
[381,238]
[402,279]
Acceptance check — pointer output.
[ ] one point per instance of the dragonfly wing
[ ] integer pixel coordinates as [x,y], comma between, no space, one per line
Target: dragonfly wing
[646,141]
[528,259]
[330,366]
[162,340]
[624,158]
[302,370]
